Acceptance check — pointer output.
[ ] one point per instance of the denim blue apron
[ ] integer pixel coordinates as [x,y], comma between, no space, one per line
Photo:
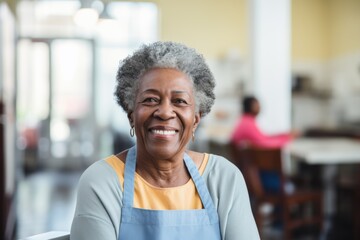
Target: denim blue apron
[145,224]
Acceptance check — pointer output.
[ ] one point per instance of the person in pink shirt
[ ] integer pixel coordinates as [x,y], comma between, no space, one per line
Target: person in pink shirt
[247,133]
[246,130]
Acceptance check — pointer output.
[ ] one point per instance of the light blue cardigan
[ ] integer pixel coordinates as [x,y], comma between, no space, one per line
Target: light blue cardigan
[99,202]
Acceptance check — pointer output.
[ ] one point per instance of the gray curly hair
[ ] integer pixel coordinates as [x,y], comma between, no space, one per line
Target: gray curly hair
[165,55]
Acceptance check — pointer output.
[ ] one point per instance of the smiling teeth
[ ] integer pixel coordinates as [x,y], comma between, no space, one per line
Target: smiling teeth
[164,132]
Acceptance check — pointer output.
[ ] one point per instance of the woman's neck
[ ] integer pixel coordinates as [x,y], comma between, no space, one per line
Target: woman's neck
[164,173]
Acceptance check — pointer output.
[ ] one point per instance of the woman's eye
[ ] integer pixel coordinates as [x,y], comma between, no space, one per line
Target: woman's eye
[180,101]
[150,100]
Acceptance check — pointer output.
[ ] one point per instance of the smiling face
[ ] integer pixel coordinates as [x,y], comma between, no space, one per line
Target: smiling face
[164,116]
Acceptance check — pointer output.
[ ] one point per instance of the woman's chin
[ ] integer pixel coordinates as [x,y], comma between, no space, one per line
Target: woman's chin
[163,151]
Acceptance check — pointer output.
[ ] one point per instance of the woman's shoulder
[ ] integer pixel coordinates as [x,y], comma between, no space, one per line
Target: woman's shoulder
[99,200]
[224,181]
[99,183]
[220,169]
[98,175]
[220,164]
[215,164]
[98,167]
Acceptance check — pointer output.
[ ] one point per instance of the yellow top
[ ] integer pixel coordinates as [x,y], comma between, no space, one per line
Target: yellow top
[147,196]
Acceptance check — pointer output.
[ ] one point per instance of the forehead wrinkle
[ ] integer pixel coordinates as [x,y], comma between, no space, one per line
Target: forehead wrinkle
[152,90]
[179,91]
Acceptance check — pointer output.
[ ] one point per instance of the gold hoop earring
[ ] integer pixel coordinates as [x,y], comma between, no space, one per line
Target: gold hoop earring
[132,131]
[193,137]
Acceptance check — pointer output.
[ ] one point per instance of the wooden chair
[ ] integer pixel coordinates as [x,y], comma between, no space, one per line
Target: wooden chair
[253,160]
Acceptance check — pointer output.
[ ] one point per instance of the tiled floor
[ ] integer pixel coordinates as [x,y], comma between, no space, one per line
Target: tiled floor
[46,202]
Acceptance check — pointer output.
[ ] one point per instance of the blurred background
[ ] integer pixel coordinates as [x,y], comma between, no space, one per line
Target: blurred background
[58,61]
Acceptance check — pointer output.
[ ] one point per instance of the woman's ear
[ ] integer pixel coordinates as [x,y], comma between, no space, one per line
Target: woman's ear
[197,120]
[130,117]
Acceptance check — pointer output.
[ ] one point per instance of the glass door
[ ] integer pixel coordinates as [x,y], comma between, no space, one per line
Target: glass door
[55,107]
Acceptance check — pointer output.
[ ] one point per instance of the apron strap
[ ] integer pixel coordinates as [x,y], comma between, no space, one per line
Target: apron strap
[201,188]
[129,176]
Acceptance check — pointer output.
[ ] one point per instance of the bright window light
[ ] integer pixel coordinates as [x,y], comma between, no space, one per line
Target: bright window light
[86,17]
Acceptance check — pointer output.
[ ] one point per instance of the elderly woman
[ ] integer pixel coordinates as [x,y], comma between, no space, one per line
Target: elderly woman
[159,189]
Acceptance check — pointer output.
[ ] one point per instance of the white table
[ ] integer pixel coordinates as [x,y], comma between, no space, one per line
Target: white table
[329,152]
[325,150]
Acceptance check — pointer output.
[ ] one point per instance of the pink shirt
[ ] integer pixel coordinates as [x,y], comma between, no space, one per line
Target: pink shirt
[247,131]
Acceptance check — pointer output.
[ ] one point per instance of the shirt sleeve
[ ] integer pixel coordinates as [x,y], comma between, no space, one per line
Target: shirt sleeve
[229,193]
[98,207]
[247,130]
[241,223]
[275,141]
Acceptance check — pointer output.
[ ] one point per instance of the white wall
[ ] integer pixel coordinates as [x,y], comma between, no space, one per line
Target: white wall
[270,40]
[338,80]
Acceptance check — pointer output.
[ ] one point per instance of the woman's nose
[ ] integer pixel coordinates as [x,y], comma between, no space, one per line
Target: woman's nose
[165,110]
